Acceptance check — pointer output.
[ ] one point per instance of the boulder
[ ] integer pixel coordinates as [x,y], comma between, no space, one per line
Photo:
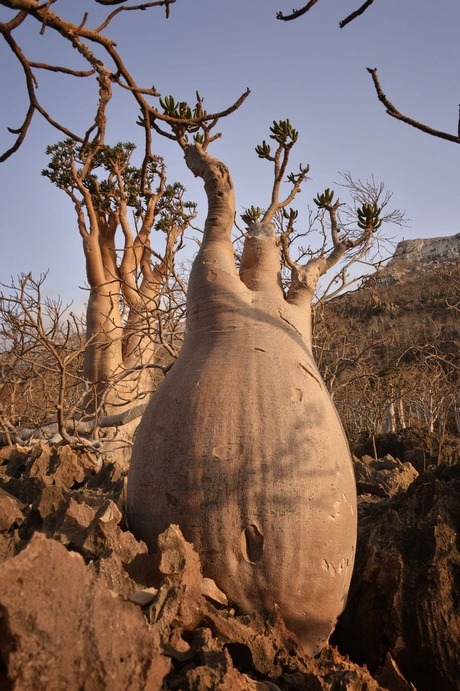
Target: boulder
[62,628]
[383,477]
[404,597]
[11,511]
[62,465]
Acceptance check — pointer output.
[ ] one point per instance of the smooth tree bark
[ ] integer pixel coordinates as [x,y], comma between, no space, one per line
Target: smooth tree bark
[241,445]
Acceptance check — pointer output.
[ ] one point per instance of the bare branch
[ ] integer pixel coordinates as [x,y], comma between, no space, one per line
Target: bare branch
[63,70]
[22,131]
[355,14]
[296,13]
[395,113]
[142,6]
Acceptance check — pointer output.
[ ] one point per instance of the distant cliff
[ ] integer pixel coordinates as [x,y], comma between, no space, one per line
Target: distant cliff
[431,254]
[409,305]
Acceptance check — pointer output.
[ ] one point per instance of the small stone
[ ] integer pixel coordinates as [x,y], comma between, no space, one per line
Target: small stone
[10,511]
[109,513]
[143,597]
[210,590]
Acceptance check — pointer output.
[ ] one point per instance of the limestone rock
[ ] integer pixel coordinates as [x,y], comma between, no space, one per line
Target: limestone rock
[116,555]
[61,628]
[61,465]
[11,511]
[404,594]
[419,255]
[383,477]
[179,602]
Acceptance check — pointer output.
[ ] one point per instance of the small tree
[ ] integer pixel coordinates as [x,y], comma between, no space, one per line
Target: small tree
[126,283]
[41,353]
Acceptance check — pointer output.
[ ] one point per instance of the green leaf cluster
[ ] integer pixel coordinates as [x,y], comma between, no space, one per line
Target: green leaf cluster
[283,132]
[369,216]
[171,210]
[263,150]
[182,111]
[290,214]
[109,178]
[324,200]
[252,215]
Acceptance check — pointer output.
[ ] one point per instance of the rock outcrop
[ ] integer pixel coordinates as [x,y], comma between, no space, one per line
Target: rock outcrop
[383,477]
[84,605]
[57,624]
[404,597]
[432,254]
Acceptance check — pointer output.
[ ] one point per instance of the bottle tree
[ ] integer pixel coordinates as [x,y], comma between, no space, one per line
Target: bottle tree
[241,445]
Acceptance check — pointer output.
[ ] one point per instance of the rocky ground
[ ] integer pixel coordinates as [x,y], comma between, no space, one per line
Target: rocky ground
[84,606]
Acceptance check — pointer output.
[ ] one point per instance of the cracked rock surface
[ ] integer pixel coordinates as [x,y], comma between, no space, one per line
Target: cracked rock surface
[83,605]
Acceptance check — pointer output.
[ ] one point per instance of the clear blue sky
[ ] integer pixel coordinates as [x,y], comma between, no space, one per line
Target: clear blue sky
[308,70]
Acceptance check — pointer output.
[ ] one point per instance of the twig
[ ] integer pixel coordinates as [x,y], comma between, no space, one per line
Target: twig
[296,13]
[356,13]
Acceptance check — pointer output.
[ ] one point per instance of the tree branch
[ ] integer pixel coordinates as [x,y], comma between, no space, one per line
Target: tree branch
[143,6]
[356,13]
[395,113]
[296,13]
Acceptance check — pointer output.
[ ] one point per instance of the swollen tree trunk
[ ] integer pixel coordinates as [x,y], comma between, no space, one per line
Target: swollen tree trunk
[241,445]
[103,353]
[104,188]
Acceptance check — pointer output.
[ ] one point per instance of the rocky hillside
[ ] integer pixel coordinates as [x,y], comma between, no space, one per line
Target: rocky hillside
[412,299]
[392,354]
[420,256]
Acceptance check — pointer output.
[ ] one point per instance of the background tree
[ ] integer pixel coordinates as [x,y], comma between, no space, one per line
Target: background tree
[41,352]
[126,283]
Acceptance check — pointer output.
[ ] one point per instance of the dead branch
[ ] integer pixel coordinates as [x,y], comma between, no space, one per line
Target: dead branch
[295,14]
[395,113]
[355,14]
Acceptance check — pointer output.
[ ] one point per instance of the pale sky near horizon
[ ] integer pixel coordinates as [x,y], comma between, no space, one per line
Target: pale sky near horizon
[309,71]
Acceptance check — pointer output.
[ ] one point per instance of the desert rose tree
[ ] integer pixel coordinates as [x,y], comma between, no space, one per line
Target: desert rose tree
[241,445]
[119,207]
